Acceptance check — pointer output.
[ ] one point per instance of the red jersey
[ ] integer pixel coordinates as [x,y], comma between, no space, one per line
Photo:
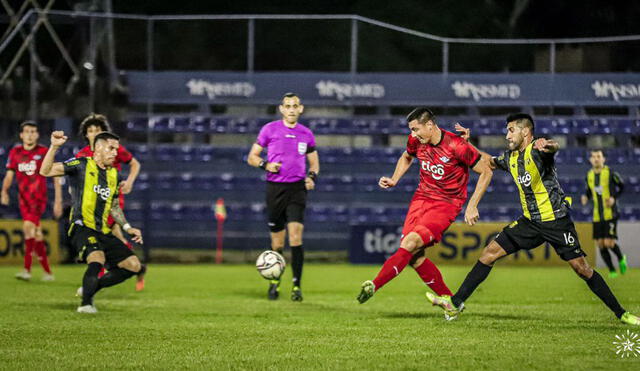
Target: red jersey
[444,167]
[32,186]
[123,156]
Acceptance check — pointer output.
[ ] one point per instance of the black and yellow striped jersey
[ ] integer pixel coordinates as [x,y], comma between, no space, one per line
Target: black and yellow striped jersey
[600,187]
[534,172]
[93,191]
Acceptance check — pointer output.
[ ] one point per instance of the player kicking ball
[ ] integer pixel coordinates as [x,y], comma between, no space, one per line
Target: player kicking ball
[24,162]
[94,190]
[445,160]
[546,218]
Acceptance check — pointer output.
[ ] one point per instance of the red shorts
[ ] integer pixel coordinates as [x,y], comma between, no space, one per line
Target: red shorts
[429,218]
[32,213]
[110,221]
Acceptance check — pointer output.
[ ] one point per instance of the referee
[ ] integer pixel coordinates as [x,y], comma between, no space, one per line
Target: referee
[289,144]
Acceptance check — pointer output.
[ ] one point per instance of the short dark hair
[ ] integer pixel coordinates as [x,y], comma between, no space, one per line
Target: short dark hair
[290,95]
[593,150]
[105,135]
[93,119]
[522,119]
[422,114]
[28,123]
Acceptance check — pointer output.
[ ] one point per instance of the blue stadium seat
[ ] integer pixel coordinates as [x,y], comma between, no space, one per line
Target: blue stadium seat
[138,124]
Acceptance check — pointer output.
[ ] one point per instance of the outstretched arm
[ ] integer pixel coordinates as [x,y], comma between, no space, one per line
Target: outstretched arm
[483,167]
[118,215]
[403,164]
[134,170]
[465,134]
[57,198]
[546,145]
[48,167]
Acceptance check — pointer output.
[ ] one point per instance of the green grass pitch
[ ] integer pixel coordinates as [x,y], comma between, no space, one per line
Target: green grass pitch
[217,317]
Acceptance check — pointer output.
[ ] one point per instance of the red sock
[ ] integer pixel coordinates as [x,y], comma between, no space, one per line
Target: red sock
[431,275]
[392,267]
[28,253]
[101,273]
[41,251]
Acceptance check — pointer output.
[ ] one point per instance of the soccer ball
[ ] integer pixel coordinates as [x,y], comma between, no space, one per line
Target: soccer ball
[270,265]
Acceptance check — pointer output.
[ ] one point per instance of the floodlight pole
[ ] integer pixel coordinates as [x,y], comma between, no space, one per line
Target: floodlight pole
[251,32]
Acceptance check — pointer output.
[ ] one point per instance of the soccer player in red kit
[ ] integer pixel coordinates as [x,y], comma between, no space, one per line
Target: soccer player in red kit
[91,126]
[445,159]
[24,162]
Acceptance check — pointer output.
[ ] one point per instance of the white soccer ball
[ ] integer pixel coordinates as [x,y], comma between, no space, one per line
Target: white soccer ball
[270,265]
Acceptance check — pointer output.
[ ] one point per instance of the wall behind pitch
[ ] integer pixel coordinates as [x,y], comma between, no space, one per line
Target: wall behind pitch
[461,244]
[12,241]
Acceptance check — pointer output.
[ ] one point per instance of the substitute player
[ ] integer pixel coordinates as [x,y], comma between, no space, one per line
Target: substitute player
[603,187]
[445,160]
[545,218]
[91,126]
[24,162]
[94,184]
[290,144]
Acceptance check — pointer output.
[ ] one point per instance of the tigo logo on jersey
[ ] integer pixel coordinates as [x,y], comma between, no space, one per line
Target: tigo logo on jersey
[104,193]
[437,171]
[27,167]
[525,179]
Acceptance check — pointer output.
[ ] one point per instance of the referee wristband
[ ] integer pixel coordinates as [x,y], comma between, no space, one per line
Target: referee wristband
[263,165]
[313,175]
[126,227]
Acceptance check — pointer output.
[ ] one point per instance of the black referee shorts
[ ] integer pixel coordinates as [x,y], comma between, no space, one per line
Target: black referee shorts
[605,229]
[86,240]
[524,234]
[285,203]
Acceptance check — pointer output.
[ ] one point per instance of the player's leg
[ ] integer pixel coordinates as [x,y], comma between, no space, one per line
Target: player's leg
[29,233]
[295,230]
[599,234]
[436,219]
[295,226]
[611,241]
[116,230]
[563,237]
[276,215]
[41,252]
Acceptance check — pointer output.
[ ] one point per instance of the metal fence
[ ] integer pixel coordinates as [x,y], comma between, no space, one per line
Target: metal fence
[90,49]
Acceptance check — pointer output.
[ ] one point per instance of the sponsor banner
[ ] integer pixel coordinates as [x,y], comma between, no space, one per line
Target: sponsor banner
[461,244]
[12,241]
[193,87]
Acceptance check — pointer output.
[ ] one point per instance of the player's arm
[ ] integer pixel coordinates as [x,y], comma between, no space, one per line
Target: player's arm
[403,164]
[48,167]
[134,170]
[549,146]
[6,184]
[118,215]
[617,189]
[314,170]
[255,160]
[465,133]
[57,198]
[586,196]
[482,167]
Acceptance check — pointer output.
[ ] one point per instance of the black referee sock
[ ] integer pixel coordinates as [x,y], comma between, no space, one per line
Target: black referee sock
[616,250]
[114,277]
[90,283]
[601,289]
[606,256]
[478,274]
[297,261]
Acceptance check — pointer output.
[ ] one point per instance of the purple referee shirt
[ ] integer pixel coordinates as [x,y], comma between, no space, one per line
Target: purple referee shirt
[288,146]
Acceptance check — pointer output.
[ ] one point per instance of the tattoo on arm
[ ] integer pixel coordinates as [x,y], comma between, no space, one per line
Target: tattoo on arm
[117,214]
